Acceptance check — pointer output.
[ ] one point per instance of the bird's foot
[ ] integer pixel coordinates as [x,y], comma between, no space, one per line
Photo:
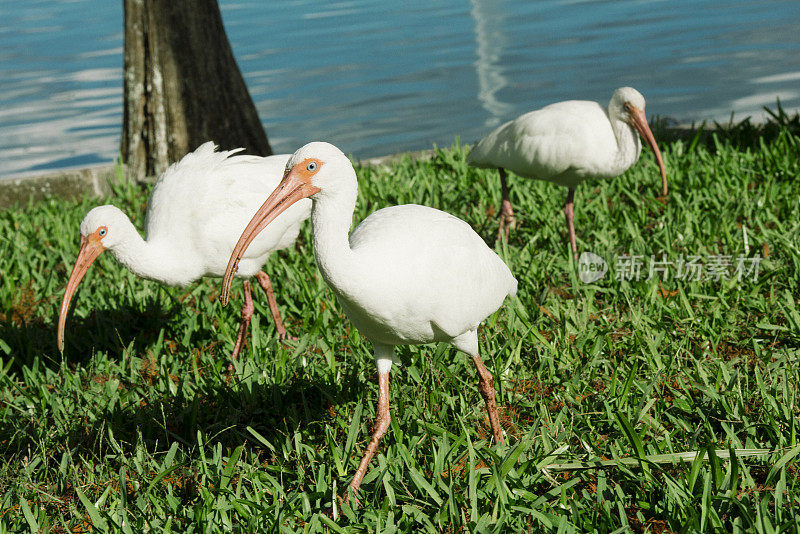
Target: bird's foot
[228,374]
[504,231]
[501,234]
[339,501]
[507,223]
[345,499]
[328,512]
[511,224]
[507,220]
[284,336]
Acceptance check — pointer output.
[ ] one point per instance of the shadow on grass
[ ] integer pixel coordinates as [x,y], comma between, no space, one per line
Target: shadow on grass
[271,409]
[109,330]
[147,415]
[222,414]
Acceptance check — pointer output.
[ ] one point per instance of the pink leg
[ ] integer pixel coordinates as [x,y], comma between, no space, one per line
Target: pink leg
[507,221]
[569,214]
[382,420]
[486,387]
[247,313]
[266,285]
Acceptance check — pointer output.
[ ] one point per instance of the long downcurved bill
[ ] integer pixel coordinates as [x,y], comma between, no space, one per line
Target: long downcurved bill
[91,247]
[292,188]
[640,123]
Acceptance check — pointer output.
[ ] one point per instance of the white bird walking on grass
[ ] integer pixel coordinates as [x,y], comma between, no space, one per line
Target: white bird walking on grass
[406,275]
[567,143]
[194,217]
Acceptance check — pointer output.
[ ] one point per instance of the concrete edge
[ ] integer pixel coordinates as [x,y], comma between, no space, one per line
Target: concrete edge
[66,184]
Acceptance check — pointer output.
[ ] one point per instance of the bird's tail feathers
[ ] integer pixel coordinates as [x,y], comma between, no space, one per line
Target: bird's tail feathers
[513,291]
[205,159]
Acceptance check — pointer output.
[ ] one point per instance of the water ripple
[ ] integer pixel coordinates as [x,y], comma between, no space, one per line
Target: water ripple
[378,77]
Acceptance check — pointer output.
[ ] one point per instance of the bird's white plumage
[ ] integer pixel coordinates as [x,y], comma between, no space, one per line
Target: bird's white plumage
[195,214]
[432,277]
[407,274]
[565,143]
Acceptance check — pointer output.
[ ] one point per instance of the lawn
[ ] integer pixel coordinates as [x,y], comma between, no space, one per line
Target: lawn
[663,403]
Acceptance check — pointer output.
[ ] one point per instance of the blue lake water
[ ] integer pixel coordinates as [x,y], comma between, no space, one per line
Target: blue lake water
[377,77]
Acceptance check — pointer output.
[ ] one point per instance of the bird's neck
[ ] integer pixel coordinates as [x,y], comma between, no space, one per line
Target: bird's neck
[153,260]
[331,217]
[629,146]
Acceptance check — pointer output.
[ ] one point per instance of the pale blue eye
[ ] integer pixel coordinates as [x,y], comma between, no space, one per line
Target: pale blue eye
[102,232]
[312,167]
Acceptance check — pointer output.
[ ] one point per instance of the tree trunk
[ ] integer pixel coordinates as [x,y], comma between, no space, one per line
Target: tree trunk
[182,86]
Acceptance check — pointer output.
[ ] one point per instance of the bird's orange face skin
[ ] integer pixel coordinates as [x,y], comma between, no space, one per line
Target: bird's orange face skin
[91,248]
[639,121]
[301,170]
[296,185]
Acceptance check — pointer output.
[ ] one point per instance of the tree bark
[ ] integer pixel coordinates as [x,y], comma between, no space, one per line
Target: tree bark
[182,86]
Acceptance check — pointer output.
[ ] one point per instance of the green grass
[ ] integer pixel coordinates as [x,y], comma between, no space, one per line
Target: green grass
[628,405]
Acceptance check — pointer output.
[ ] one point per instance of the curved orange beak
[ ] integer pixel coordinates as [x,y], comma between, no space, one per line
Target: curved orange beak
[296,185]
[91,247]
[640,123]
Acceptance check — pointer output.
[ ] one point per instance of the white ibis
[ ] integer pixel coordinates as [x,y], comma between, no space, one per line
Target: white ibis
[567,143]
[406,275]
[194,216]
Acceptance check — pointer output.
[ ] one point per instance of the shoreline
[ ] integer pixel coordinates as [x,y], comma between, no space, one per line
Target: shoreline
[72,183]
[20,190]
